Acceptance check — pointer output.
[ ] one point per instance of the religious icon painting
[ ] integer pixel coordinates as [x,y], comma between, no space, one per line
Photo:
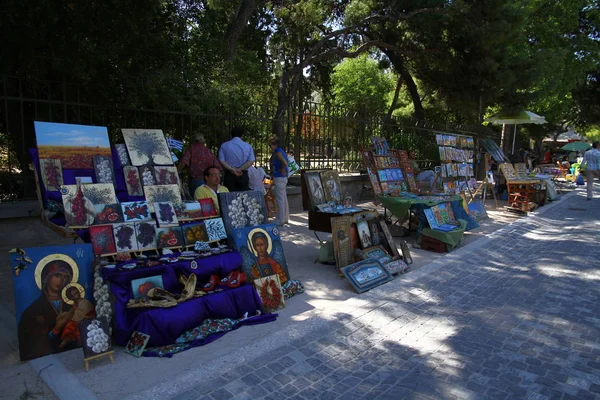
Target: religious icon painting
[136,211]
[374,228]
[331,186]
[376,253]
[132,181]
[193,233]
[108,214]
[103,168]
[315,189]
[100,193]
[169,237]
[364,234]
[262,252]
[141,286]
[125,237]
[48,282]
[103,241]
[166,176]
[147,147]
[147,176]
[74,145]
[208,207]
[342,243]
[145,234]
[95,337]
[367,274]
[79,210]
[270,293]
[137,343]
[165,214]
[52,176]
[162,194]
[215,229]
[122,155]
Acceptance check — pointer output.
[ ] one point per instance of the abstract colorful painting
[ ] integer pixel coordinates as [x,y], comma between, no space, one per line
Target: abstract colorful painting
[125,238]
[145,235]
[315,189]
[166,176]
[367,274]
[147,147]
[215,229]
[108,214]
[137,343]
[79,210]
[121,150]
[103,168]
[331,186]
[165,214]
[141,286]
[95,337]
[132,181]
[162,194]
[242,209]
[52,176]
[193,233]
[42,278]
[208,207]
[103,241]
[262,252]
[270,293]
[169,237]
[136,211]
[74,145]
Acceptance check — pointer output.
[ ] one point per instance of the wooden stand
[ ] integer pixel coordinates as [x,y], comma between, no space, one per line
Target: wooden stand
[108,353]
[483,186]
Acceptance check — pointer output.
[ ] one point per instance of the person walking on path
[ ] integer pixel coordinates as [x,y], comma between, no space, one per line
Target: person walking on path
[279,166]
[197,158]
[236,156]
[591,165]
[211,187]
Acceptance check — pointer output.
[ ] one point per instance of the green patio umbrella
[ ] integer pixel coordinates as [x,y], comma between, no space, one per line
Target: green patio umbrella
[517,118]
[576,146]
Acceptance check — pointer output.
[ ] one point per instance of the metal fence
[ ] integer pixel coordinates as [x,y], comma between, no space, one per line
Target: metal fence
[319,136]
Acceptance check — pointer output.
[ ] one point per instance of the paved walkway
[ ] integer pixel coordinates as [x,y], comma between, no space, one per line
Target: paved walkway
[513,315]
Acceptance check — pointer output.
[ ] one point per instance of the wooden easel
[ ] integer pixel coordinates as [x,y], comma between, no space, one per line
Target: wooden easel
[484,184]
[108,353]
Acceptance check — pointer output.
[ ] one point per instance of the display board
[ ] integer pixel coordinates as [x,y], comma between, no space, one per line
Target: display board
[456,157]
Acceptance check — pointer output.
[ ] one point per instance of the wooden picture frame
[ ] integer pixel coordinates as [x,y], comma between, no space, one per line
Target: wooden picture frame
[342,241]
[366,275]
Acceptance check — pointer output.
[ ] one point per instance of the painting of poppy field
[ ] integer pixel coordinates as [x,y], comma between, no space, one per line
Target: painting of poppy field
[74,145]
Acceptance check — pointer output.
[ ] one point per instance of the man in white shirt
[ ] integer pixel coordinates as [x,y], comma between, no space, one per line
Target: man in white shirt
[236,156]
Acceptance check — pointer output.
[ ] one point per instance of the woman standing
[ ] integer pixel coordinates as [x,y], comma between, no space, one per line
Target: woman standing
[279,163]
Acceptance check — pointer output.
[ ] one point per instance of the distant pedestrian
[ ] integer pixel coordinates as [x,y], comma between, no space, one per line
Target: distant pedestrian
[236,156]
[279,167]
[591,165]
[197,158]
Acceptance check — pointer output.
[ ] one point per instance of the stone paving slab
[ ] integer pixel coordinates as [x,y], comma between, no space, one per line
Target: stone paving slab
[515,315]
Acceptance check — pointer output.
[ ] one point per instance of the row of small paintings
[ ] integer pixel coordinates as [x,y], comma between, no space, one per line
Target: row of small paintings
[452,154]
[456,187]
[394,174]
[454,169]
[454,140]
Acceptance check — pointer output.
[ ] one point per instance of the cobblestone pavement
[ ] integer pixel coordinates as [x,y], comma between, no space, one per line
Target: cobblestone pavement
[514,315]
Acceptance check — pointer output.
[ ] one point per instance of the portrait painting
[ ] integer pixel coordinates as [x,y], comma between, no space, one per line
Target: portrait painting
[136,211]
[122,155]
[125,237]
[262,252]
[45,304]
[215,229]
[169,237]
[165,214]
[166,176]
[367,274]
[242,209]
[145,235]
[108,214]
[364,234]
[103,241]
[51,171]
[79,210]
[195,232]
[104,170]
[162,194]
[315,188]
[95,337]
[331,186]
[147,147]
[137,343]
[270,293]
[74,145]
[132,181]
[141,286]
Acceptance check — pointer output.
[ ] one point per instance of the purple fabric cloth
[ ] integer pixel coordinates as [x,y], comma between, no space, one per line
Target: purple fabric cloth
[164,325]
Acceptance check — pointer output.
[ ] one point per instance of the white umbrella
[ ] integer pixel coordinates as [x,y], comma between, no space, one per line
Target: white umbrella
[519,118]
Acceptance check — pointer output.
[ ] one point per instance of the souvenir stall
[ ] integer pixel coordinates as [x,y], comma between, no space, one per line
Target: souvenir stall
[154,270]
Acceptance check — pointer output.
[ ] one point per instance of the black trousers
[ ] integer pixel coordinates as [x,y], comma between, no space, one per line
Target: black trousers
[236,183]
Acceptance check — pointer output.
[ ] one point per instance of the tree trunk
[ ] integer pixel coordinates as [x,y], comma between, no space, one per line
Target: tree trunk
[388,118]
[237,26]
[398,63]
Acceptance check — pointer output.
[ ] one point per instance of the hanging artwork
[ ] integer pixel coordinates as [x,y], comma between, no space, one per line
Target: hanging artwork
[270,293]
[74,145]
[132,181]
[147,176]
[165,214]
[331,186]
[342,243]
[169,237]
[100,193]
[262,252]
[315,189]
[364,234]
[193,233]
[145,234]
[162,194]
[215,229]
[140,287]
[136,211]
[166,176]
[108,214]
[147,147]
[125,240]
[95,337]
[242,209]
[51,171]
[208,207]
[79,210]
[103,241]
[367,274]
[121,150]
[42,280]
[103,168]
[137,343]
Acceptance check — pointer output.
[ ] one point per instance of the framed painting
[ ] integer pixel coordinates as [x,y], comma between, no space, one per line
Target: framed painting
[242,209]
[477,210]
[376,253]
[132,181]
[342,243]
[95,337]
[74,145]
[103,168]
[215,229]
[373,178]
[195,232]
[315,189]
[137,343]
[108,214]
[208,207]
[169,237]
[364,234]
[270,293]
[147,147]
[387,238]
[331,186]
[367,274]
[122,155]
[192,210]
[134,211]
[100,193]
[43,278]
[79,210]
[125,237]
[165,214]
[147,176]
[166,175]
[141,286]
[375,234]
[103,241]
[145,235]
[162,194]
[51,171]
[262,252]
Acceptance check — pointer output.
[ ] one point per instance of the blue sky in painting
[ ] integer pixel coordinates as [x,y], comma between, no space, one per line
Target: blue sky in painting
[53,134]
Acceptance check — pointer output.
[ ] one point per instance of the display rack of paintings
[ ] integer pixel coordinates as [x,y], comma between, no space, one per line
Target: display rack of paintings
[389,171]
[456,155]
[147,147]
[52,175]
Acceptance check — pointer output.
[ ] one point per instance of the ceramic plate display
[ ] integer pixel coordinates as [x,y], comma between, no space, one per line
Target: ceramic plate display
[136,211]
[315,188]
[132,181]
[367,274]
[95,337]
[108,214]
[147,147]
[193,233]
[165,214]
[166,176]
[103,168]
[125,240]
[103,241]
[145,234]
[79,210]
[137,343]
[215,229]
[162,194]
[270,293]
[51,171]
[169,237]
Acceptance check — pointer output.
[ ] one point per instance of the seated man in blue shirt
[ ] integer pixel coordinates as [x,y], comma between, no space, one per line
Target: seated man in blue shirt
[236,156]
